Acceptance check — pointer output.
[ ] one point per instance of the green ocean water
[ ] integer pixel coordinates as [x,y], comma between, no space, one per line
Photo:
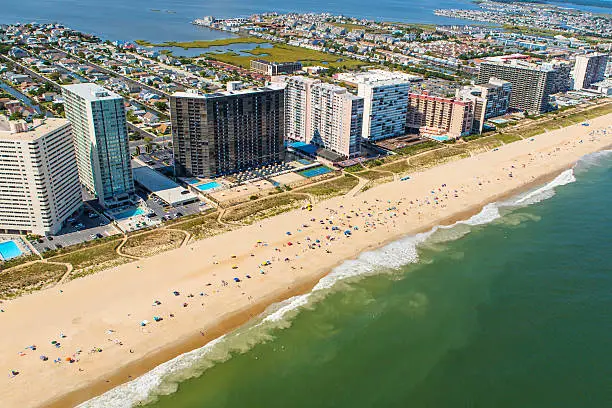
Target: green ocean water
[515,312]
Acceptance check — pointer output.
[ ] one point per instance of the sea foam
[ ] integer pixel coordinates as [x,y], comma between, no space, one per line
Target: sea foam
[164,379]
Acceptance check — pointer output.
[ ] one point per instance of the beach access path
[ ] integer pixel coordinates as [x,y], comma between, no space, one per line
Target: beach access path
[193,288]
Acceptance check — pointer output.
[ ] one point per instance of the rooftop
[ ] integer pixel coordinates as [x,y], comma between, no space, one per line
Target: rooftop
[161,186]
[378,77]
[270,87]
[91,92]
[34,130]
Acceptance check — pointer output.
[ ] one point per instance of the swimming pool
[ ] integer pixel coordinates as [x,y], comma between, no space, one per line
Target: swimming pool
[440,138]
[304,162]
[208,186]
[315,171]
[9,250]
[132,212]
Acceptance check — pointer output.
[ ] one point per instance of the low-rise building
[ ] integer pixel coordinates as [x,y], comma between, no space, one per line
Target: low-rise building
[436,116]
[275,68]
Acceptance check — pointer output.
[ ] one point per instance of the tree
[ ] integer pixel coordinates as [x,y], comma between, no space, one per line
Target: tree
[161,105]
[15,116]
[54,76]
[167,79]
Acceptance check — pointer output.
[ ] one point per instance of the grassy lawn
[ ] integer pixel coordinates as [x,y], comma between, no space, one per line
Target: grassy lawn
[286,53]
[250,212]
[152,243]
[35,276]
[202,227]
[204,43]
[332,188]
[92,259]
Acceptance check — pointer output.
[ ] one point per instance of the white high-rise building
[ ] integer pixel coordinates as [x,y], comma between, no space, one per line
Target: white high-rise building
[385,104]
[336,119]
[323,114]
[589,68]
[39,180]
[100,134]
[298,108]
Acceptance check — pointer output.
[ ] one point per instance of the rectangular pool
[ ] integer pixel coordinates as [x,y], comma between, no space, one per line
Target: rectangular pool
[132,212]
[9,250]
[208,186]
[440,138]
[315,171]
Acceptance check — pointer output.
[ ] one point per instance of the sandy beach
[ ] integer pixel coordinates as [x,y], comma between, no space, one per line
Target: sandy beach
[106,325]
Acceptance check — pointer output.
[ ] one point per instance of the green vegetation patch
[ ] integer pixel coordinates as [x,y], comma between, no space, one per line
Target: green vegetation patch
[398,167]
[152,243]
[332,188]
[93,259]
[17,261]
[438,156]
[203,227]
[374,174]
[507,137]
[418,148]
[204,43]
[35,276]
[286,53]
[250,212]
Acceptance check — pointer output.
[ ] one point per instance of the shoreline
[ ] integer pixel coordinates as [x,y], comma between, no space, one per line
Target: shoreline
[121,297]
[240,318]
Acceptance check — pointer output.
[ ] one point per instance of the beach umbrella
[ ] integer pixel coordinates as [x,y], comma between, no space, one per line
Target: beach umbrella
[236,280]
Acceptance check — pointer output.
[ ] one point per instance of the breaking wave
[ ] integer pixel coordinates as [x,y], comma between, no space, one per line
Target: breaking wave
[165,378]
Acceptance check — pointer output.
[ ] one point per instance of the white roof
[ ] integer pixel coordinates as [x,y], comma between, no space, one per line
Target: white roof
[162,186]
[92,92]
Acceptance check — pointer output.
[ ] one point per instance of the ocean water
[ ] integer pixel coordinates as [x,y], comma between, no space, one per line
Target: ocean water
[510,308]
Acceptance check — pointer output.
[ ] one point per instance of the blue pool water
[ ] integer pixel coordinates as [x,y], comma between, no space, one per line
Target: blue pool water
[192,181]
[9,250]
[316,171]
[304,162]
[132,212]
[208,186]
[440,138]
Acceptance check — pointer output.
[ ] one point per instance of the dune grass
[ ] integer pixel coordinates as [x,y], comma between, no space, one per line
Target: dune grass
[202,227]
[332,188]
[22,279]
[250,212]
[152,243]
[92,259]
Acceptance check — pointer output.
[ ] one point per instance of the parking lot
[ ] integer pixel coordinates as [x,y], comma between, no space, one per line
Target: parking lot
[164,211]
[77,230]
